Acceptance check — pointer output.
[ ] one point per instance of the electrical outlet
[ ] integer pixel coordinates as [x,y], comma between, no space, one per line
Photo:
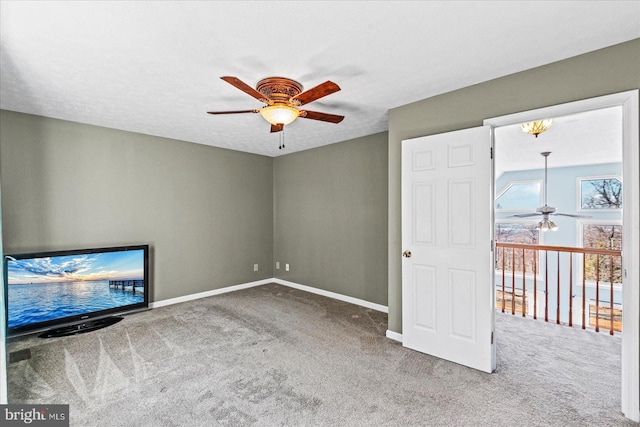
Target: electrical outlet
[277,265]
[255,267]
[286,267]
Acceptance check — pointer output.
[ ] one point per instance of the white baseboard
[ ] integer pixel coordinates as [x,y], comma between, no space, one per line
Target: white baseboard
[394,336]
[340,297]
[205,294]
[329,294]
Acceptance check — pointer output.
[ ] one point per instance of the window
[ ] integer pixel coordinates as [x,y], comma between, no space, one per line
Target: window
[600,193]
[602,236]
[519,196]
[514,232]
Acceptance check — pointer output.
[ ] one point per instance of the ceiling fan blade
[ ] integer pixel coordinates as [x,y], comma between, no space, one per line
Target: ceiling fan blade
[277,128]
[324,89]
[234,81]
[233,112]
[324,117]
[527,215]
[572,216]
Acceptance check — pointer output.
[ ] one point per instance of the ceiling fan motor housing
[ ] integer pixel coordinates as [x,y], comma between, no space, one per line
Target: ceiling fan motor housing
[280,90]
[546,209]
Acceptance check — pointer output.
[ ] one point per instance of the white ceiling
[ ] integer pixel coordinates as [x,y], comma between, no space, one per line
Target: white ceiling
[592,137]
[154,67]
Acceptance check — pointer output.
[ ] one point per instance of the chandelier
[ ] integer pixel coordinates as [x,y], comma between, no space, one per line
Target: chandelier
[536,128]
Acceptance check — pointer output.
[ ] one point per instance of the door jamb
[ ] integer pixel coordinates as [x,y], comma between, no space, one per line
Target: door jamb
[631,224]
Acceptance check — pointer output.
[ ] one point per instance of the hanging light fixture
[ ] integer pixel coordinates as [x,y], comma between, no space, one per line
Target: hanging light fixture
[279,114]
[546,225]
[536,128]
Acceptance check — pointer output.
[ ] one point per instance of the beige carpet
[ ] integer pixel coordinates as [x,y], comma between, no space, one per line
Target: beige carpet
[273,356]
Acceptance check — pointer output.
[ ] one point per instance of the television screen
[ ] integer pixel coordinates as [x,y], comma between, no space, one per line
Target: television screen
[44,290]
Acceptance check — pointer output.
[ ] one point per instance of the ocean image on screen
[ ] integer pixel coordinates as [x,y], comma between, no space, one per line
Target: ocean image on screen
[51,288]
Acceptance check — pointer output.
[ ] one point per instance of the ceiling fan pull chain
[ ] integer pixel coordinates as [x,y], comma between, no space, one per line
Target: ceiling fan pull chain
[281,139]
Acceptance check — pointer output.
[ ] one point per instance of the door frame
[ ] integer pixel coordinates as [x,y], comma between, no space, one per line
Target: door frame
[630,229]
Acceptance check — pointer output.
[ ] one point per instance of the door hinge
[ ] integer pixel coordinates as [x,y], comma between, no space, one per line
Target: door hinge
[491,151]
[491,337]
[492,245]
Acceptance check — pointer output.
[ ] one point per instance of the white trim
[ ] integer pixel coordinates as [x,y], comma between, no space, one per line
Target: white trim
[569,108]
[631,225]
[191,297]
[631,258]
[329,294]
[394,336]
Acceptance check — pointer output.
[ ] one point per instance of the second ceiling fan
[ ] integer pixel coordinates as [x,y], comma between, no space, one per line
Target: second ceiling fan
[282,97]
[546,210]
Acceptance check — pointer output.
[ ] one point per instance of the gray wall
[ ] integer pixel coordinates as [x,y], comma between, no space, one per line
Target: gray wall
[3,347]
[206,212]
[331,217]
[602,72]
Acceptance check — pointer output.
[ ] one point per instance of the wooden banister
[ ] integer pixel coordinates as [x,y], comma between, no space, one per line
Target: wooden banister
[508,261]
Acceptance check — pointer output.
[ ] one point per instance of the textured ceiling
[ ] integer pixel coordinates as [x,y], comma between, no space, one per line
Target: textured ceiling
[592,137]
[154,67]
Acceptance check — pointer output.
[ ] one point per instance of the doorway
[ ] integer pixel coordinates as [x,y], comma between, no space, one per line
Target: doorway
[627,104]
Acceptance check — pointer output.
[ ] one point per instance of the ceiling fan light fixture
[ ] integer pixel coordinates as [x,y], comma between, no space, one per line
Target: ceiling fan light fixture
[546,225]
[279,114]
[536,128]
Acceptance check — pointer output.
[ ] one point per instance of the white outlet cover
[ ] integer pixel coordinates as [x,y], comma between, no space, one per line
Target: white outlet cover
[286,266]
[255,267]
[277,265]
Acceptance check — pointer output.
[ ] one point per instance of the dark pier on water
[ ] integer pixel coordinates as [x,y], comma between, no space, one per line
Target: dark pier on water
[128,283]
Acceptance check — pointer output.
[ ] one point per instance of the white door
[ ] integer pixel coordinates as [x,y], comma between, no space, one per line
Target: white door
[447,278]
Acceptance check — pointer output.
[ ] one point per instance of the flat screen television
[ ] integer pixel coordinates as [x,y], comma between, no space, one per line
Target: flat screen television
[74,291]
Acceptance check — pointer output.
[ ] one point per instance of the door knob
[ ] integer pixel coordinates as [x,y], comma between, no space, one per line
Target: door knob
[406,254]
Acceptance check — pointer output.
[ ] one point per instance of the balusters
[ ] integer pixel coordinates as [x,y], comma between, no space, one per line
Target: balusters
[611,295]
[597,292]
[535,286]
[558,293]
[513,282]
[589,314]
[570,289]
[504,255]
[546,286]
[584,292]
[524,285]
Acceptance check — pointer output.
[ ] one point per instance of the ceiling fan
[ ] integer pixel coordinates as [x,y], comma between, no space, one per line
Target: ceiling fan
[546,210]
[282,97]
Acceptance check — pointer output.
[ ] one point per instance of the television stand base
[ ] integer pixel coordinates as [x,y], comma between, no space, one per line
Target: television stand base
[81,328]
